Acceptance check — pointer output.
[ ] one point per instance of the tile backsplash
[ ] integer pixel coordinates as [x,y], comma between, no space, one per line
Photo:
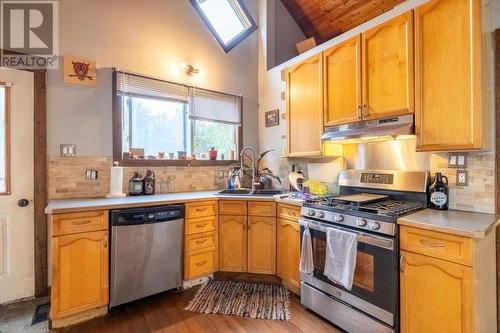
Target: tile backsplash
[66,177]
[479,195]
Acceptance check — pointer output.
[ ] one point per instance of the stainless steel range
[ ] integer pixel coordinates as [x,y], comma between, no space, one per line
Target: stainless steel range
[368,205]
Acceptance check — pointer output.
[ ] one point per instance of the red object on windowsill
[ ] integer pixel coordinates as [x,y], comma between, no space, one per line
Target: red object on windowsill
[212,154]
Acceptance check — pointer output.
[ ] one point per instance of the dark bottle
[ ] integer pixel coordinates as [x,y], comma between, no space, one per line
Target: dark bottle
[135,184]
[438,193]
[149,183]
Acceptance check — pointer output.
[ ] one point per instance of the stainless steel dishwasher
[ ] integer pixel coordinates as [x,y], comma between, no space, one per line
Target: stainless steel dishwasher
[146,252]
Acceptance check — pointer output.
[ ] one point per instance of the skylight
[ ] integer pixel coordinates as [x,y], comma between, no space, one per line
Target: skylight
[228,20]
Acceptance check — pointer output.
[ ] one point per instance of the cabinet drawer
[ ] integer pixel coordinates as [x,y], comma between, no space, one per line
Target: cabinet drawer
[261,208]
[201,241]
[438,245]
[72,223]
[200,262]
[228,207]
[202,224]
[289,212]
[201,209]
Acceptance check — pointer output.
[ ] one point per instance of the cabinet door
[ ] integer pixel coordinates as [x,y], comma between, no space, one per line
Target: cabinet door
[436,295]
[289,251]
[305,107]
[262,245]
[80,273]
[388,70]
[232,243]
[447,67]
[342,80]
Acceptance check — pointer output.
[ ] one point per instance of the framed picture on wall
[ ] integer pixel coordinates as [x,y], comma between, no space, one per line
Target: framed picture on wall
[272,118]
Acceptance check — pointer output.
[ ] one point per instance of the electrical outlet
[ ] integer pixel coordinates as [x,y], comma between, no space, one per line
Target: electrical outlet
[462,177]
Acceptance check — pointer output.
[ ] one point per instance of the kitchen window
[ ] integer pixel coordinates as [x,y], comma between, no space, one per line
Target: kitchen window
[4,138]
[228,20]
[159,122]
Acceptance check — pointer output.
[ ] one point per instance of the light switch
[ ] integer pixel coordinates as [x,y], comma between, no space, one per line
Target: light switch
[457,160]
[67,150]
[462,177]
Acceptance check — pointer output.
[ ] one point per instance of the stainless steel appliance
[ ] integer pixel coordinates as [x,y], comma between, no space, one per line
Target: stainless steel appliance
[146,252]
[369,204]
[391,126]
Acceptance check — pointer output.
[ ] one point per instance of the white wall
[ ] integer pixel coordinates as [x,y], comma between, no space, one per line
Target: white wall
[283,34]
[149,37]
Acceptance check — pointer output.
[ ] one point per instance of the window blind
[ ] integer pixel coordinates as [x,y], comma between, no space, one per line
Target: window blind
[135,85]
[214,106]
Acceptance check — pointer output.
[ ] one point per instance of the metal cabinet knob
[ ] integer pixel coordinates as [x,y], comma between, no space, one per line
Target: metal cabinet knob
[23,202]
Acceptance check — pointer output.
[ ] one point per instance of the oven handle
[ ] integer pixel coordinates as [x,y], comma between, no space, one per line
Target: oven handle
[361,236]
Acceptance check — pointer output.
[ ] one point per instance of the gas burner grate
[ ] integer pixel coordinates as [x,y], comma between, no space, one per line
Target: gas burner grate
[392,207]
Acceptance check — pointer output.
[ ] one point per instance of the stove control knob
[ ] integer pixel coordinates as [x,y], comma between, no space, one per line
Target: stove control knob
[338,218]
[374,225]
[361,222]
[320,215]
[311,212]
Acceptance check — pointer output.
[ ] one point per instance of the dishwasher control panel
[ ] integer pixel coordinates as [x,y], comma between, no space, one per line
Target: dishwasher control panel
[147,215]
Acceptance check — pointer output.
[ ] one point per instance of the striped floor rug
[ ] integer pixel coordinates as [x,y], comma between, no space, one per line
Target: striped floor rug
[254,300]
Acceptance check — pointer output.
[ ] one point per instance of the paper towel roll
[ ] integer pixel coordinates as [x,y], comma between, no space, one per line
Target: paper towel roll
[116,183]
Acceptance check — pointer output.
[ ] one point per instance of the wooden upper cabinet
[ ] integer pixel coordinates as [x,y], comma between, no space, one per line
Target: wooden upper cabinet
[342,82]
[388,68]
[436,296]
[232,243]
[305,107]
[79,273]
[447,72]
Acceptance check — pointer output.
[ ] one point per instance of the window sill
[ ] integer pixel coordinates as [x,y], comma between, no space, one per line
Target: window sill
[164,163]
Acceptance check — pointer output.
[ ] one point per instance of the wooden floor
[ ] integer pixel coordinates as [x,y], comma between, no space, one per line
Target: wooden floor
[164,313]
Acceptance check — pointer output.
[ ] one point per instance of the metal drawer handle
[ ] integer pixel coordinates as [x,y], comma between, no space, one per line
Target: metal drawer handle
[201,263]
[81,222]
[201,225]
[105,240]
[401,263]
[430,244]
[201,241]
[201,209]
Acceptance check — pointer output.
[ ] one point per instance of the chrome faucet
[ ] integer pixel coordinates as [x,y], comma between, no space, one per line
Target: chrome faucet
[254,156]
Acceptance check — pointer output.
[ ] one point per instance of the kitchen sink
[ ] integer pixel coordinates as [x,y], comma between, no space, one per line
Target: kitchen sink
[269,192]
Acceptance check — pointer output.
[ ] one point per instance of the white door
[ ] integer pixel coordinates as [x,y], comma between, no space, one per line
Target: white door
[16,222]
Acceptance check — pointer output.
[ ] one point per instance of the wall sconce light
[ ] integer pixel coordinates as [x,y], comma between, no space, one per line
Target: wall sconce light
[190,70]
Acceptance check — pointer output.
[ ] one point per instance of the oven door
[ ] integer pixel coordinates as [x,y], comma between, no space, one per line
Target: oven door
[376,282]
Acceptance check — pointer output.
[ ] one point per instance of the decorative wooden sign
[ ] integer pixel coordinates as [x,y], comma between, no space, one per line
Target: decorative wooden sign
[80,71]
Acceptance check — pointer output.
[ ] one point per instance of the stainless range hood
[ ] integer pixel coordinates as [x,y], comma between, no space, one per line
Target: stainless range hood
[371,130]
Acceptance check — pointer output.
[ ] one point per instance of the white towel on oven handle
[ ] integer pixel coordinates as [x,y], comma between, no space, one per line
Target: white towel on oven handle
[340,260]
[306,255]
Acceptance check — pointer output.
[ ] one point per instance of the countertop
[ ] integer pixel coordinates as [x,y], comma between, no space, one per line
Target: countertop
[461,223]
[78,205]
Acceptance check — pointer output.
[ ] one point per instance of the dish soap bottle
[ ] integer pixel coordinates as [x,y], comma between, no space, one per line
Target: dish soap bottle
[438,194]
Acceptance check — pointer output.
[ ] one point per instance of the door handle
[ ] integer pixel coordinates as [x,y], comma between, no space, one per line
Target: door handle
[401,262]
[23,202]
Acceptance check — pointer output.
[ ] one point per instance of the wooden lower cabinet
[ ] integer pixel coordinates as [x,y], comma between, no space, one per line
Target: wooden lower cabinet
[79,273]
[436,295]
[200,239]
[233,243]
[289,252]
[261,245]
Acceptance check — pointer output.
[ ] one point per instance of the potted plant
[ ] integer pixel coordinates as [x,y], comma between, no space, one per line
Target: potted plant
[212,154]
[264,176]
